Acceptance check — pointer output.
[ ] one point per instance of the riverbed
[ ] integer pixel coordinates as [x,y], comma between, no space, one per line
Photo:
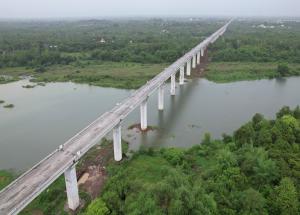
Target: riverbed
[44,117]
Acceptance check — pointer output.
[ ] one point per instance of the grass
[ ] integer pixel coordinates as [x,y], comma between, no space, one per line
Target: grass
[222,72]
[5,178]
[5,80]
[104,74]
[147,170]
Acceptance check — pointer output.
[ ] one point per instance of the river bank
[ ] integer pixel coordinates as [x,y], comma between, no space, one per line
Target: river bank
[123,75]
[225,72]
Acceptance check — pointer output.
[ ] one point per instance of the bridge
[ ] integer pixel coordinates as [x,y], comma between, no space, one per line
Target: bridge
[29,185]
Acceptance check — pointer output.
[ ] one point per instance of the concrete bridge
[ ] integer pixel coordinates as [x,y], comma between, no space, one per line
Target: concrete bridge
[28,186]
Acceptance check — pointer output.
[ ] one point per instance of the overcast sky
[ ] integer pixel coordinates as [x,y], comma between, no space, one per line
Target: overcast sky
[104,8]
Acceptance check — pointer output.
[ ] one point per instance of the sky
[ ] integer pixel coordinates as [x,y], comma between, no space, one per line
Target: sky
[153,8]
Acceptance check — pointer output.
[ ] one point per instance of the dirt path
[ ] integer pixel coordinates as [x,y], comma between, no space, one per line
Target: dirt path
[91,171]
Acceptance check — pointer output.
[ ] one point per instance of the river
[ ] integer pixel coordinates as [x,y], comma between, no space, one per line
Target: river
[46,116]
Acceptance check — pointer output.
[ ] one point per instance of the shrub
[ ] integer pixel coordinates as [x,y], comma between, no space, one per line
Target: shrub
[283,69]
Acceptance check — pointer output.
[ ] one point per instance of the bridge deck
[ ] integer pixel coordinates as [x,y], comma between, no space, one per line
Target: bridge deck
[29,185]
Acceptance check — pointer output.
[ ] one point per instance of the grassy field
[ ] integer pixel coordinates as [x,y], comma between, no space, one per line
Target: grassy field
[105,74]
[221,72]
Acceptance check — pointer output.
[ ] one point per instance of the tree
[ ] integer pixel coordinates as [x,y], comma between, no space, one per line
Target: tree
[244,135]
[97,207]
[284,111]
[252,202]
[286,197]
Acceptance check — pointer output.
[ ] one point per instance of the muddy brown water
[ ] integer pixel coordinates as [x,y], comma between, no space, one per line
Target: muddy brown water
[45,117]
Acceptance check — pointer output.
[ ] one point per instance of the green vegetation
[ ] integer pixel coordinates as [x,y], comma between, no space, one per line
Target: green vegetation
[238,71]
[2,101]
[255,49]
[7,79]
[5,178]
[116,53]
[9,106]
[105,74]
[97,207]
[283,70]
[255,171]
[28,86]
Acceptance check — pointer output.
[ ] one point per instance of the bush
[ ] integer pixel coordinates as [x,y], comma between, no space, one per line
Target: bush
[97,207]
[40,69]
[283,69]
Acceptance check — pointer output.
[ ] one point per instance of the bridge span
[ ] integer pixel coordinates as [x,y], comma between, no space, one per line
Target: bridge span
[28,186]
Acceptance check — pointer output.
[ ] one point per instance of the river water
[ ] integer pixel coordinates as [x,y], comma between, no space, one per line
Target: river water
[45,117]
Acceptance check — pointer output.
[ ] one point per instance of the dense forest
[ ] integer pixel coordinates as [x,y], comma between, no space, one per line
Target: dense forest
[254,171]
[46,43]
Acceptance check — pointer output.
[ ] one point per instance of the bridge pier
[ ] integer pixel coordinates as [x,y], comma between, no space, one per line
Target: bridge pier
[188,67]
[198,57]
[161,97]
[117,142]
[173,84]
[194,62]
[202,52]
[72,188]
[143,109]
[181,75]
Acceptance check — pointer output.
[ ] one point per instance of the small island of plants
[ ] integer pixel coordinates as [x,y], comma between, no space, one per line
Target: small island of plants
[9,106]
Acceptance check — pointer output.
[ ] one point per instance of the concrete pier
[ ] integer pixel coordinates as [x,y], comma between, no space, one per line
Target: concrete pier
[173,84]
[181,75]
[161,97]
[72,188]
[188,67]
[194,62]
[202,52]
[198,58]
[117,139]
[143,109]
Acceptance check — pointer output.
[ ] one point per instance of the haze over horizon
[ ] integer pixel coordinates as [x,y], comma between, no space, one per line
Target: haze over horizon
[31,9]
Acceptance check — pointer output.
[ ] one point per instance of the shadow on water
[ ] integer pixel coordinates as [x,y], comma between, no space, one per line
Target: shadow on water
[168,118]
[281,81]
